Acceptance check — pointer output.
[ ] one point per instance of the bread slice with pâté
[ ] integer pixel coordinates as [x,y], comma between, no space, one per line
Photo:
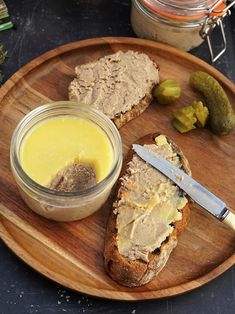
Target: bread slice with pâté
[148,215]
[120,85]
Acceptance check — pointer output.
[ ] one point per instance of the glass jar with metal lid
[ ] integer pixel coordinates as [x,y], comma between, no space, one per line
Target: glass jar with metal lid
[184,24]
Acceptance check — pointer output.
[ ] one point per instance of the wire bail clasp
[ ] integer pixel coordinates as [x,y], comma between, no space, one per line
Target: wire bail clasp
[215,16]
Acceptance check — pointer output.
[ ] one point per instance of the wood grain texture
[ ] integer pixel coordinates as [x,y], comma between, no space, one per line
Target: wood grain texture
[72,253]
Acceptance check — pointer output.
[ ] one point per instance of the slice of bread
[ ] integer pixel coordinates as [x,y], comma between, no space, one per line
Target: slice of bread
[137,272]
[120,85]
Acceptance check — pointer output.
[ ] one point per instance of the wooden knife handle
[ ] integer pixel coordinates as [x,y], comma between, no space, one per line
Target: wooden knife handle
[229,220]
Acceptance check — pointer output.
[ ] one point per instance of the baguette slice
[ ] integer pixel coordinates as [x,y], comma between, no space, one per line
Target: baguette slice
[120,85]
[134,273]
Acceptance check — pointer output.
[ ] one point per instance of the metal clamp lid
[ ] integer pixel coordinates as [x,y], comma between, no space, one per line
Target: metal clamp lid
[215,16]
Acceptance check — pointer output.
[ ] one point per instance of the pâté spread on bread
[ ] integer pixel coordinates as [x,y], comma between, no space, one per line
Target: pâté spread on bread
[120,85]
[149,213]
[149,204]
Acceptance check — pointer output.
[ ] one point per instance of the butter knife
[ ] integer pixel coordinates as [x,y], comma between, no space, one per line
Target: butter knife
[191,187]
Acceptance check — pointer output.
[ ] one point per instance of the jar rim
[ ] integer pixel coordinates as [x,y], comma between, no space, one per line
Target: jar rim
[175,9]
[74,107]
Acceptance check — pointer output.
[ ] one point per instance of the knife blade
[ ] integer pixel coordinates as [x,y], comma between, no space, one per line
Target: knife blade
[191,187]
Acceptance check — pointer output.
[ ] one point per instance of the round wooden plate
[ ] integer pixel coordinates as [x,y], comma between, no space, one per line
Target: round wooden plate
[72,253]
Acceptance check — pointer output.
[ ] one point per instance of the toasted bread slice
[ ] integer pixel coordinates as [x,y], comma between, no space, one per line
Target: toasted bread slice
[135,111]
[120,85]
[133,273]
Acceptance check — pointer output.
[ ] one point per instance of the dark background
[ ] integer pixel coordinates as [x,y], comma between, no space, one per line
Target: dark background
[43,25]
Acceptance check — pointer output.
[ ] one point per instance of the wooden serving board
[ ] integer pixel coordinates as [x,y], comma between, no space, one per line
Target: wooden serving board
[72,253]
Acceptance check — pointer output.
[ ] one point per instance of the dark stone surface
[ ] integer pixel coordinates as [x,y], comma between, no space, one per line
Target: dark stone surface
[43,25]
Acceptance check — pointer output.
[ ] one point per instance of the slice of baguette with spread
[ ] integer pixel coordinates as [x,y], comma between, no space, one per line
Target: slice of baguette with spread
[148,215]
[120,85]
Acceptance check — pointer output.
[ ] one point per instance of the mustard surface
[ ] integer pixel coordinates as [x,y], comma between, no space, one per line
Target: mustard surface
[57,142]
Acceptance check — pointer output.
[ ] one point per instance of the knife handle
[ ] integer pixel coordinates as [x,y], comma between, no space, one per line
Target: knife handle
[229,220]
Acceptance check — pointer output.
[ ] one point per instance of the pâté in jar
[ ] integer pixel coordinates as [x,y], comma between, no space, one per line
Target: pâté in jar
[182,24]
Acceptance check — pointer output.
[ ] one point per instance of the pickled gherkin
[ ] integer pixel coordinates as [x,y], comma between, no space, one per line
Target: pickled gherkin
[186,115]
[167,92]
[190,117]
[222,117]
[201,113]
[182,127]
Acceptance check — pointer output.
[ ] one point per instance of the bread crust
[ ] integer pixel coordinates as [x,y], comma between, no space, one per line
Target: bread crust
[136,110]
[136,273]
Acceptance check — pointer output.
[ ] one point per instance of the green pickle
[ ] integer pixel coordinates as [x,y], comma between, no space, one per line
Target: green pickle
[182,127]
[186,116]
[167,92]
[222,117]
[201,113]
[190,117]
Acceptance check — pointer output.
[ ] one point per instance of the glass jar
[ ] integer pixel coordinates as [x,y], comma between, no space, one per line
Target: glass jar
[56,205]
[182,24]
